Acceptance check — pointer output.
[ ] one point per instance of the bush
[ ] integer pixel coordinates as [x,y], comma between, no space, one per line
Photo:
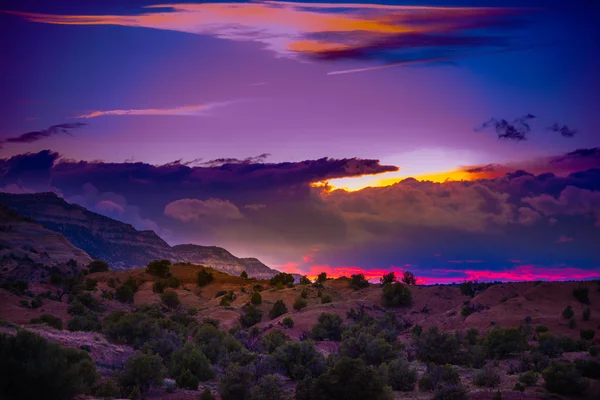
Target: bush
[586,314]
[326,299]
[300,359]
[227,299]
[396,295]
[322,277]
[581,294]
[358,281]
[349,379]
[33,368]
[451,392]
[563,378]
[17,287]
[111,283]
[437,376]
[409,278]
[281,278]
[142,371]
[588,368]
[500,343]
[278,309]
[304,293]
[568,312]
[133,329]
[160,268]
[124,294]
[300,303]
[587,334]
[529,378]
[207,395]
[435,346]
[256,298]
[87,322]
[400,376]
[189,358]
[572,323]
[170,298]
[387,278]
[107,389]
[487,377]
[37,303]
[91,284]
[541,329]
[594,350]
[244,275]
[251,316]
[204,277]
[519,386]
[48,319]
[98,266]
[329,326]
[467,288]
[273,340]
[288,322]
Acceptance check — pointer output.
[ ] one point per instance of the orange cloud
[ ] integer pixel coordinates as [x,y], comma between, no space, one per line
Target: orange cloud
[185,110]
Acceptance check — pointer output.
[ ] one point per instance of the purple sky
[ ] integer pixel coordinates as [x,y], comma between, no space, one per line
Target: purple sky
[302,81]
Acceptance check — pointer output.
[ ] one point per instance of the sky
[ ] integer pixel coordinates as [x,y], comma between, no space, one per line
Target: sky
[458,139]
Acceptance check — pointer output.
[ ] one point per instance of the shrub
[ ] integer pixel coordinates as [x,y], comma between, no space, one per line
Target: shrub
[278,309]
[142,370]
[33,368]
[48,319]
[227,299]
[350,379]
[563,378]
[586,314]
[300,303]
[304,293]
[159,286]
[288,322]
[91,284]
[326,299]
[467,288]
[98,266]
[594,350]
[87,322]
[111,283]
[244,275]
[170,298]
[256,298]
[541,329]
[273,340]
[400,376]
[409,278]
[587,334]
[466,311]
[160,268]
[588,368]
[437,376]
[488,377]
[529,378]
[187,380]
[572,323]
[207,395]
[500,342]
[17,287]
[124,294]
[329,326]
[204,277]
[251,316]
[358,281]
[37,303]
[130,328]
[89,301]
[451,392]
[282,278]
[568,312]
[387,278]
[107,389]
[581,294]
[396,295]
[189,358]
[519,386]
[438,347]
[220,293]
[300,359]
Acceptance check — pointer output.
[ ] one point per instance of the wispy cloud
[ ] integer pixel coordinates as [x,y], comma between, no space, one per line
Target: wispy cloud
[38,135]
[385,34]
[194,110]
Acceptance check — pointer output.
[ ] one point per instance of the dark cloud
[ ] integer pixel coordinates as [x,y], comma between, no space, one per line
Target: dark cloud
[593,153]
[515,130]
[564,130]
[37,135]
[483,168]
[249,160]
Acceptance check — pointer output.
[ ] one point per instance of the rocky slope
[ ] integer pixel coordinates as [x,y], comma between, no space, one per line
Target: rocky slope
[120,244]
[31,252]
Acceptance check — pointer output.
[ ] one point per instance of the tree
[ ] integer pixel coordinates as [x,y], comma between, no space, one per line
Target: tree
[49,320]
[563,378]
[160,268]
[256,298]
[33,368]
[388,278]
[304,280]
[142,370]
[124,294]
[396,295]
[300,303]
[409,278]
[329,326]
[98,266]
[400,376]
[244,275]
[581,294]
[322,277]
[278,309]
[251,316]
[358,281]
[568,312]
[170,298]
[204,277]
[190,358]
[288,322]
[501,342]
[281,278]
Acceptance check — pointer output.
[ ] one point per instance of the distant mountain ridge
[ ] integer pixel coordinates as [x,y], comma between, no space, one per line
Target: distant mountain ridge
[118,243]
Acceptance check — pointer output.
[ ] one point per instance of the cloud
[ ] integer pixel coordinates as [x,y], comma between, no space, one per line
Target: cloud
[564,239]
[249,160]
[515,130]
[188,210]
[194,110]
[571,201]
[30,137]
[385,34]
[564,130]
